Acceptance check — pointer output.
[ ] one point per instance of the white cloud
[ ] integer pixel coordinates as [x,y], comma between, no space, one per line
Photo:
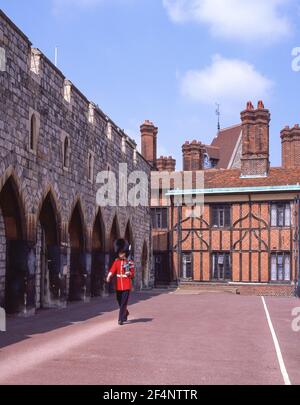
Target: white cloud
[232,82]
[240,20]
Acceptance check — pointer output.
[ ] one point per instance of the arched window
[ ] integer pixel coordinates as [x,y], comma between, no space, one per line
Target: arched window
[33,133]
[66,153]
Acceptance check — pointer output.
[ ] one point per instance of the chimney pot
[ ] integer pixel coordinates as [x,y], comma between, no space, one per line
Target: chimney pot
[260,105]
[249,106]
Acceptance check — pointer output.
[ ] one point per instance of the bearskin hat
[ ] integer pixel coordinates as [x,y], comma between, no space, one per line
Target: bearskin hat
[121,246]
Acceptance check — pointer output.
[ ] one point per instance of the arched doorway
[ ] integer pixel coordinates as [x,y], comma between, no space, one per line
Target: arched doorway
[129,237]
[98,257]
[17,277]
[78,276]
[48,255]
[145,279]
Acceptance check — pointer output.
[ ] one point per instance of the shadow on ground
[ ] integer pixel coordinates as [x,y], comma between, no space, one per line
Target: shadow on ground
[19,329]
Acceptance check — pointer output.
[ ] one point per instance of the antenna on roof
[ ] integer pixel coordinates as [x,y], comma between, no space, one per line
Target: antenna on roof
[218,113]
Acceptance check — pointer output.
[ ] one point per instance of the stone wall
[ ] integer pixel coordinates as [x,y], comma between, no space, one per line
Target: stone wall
[32,85]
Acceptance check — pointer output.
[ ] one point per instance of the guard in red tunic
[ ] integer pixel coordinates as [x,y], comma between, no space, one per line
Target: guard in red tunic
[123,271]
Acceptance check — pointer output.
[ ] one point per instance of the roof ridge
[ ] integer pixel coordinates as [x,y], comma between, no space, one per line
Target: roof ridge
[230,127]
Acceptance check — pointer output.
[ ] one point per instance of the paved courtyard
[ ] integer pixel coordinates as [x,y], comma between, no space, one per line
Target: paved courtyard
[173,338]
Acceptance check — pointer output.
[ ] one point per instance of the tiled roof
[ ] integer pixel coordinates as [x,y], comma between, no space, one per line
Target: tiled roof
[213,152]
[227,140]
[232,178]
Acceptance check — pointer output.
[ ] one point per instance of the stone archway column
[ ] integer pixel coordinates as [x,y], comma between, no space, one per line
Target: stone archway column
[64,264]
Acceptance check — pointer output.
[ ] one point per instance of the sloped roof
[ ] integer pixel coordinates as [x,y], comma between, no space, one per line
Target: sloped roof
[213,152]
[226,141]
[232,178]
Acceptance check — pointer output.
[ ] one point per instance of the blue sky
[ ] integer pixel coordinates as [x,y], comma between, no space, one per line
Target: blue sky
[170,60]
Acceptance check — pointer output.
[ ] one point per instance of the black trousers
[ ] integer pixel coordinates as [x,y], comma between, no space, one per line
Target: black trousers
[123,297]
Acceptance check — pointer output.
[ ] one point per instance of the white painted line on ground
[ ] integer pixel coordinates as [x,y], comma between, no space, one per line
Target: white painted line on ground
[283,369]
[73,337]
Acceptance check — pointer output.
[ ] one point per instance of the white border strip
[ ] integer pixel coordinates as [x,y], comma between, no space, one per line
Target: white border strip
[283,370]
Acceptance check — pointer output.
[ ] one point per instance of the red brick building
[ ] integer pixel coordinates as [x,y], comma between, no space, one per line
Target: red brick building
[247,236]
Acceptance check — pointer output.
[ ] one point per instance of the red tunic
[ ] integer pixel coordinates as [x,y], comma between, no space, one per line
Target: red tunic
[118,269]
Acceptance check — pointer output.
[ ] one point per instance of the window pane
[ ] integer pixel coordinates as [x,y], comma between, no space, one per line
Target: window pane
[280,216]
[228,275]
[153,218]
[280,272]
[287,268]
[158,220]
[221,272]
[288,215]
[227,216]
[273,215]
[215,266]
[215,221]
[280,267]
[164,218]
[273,268]
[221,218]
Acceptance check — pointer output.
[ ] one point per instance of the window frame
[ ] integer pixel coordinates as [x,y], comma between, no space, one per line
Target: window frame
[277,205]
[191,262]
[217,254]
[220,207]
[284,255]
[160,211]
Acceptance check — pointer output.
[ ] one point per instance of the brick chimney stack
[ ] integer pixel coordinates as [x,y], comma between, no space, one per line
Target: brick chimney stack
[193,156]
[149,142]
[290,142]
[255,154]
[167,164]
